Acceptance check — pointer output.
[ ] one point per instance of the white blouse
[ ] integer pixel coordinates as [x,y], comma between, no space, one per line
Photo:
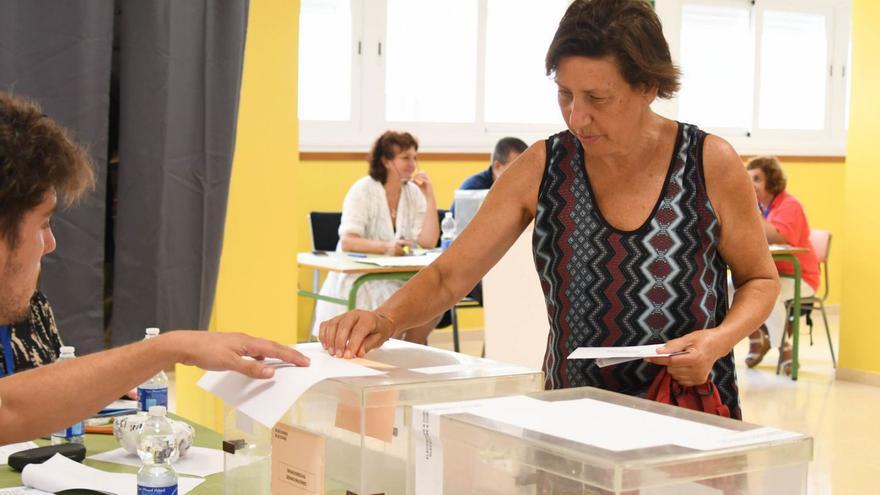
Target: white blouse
[365,214]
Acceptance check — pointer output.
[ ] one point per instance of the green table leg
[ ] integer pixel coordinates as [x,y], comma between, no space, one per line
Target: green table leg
[352,295]
[796,314]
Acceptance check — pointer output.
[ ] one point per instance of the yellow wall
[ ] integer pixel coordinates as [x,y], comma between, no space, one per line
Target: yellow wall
[257,283]
[820,188]
[860,338]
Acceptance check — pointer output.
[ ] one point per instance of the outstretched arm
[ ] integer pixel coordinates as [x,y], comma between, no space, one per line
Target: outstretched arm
[46,399]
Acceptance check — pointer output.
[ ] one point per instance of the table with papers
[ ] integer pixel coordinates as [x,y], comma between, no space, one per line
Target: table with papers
[370,268]
[97,444]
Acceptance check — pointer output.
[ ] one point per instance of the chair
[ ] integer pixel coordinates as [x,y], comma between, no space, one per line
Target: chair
[324,227]
[472,300]
[821,241]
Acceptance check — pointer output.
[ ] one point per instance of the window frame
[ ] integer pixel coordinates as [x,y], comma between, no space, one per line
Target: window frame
[368,90]
[830,141]
[368,78]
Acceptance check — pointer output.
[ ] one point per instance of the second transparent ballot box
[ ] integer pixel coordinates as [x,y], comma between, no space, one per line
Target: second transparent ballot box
[352,435]
[587,441]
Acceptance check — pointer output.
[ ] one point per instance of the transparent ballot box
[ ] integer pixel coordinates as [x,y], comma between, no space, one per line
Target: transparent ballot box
[352,435]
[590,441]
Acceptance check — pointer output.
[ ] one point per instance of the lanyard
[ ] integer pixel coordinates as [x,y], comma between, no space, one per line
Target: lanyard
[766,212]
[7,350]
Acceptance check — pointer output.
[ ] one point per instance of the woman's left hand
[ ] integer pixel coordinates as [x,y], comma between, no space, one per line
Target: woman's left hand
[422,180]
[703,348]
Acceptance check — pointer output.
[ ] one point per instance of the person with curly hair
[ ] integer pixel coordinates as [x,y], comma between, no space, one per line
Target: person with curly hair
[784,222]
[40,167]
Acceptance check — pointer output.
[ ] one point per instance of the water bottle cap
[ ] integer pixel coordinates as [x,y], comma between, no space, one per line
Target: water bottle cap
[157,411]
[68,349]
[152,331]
[448,214]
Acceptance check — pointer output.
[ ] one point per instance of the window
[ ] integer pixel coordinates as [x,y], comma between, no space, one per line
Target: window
[768,75]
[517,88]
[459,74]
[325,60]
[716,66]
[420,53]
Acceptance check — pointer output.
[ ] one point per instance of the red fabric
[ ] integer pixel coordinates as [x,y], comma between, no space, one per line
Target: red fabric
[703,397]
[788,217]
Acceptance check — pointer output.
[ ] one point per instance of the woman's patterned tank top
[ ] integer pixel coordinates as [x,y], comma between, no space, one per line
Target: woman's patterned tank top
[606,287]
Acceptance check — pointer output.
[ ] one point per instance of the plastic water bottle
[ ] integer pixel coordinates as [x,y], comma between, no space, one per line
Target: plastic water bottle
[74,433]
[153,392]
[447,226]
[157,448]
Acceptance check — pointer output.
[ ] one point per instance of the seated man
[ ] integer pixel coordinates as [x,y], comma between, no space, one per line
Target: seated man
[506,151]
[32,341]
[40,164]
[784,223]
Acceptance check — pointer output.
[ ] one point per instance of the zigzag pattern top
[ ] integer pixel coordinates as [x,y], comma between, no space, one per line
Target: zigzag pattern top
[606,287]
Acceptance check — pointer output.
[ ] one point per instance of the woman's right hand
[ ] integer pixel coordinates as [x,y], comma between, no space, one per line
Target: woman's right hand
[396,247]
[355,333]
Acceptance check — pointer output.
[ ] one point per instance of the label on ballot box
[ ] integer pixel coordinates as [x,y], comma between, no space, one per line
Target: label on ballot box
[297,461]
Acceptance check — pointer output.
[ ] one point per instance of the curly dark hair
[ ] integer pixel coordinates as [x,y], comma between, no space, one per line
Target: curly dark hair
[387,146]
[36,156]
[774,176]
[627,30]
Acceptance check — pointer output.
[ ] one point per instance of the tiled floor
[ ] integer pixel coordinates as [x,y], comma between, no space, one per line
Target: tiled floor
[841,416]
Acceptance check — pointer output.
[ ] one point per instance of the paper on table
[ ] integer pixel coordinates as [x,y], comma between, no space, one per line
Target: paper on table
[633,351]
[60,473]
[7,450]
[22,490]
[392,261]
[266,401]
[198,461]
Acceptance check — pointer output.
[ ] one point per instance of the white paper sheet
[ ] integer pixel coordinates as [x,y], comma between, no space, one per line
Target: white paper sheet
[7,450]
[198,461]
[61,473]
[266,401]
[630,352]
[393,261]
[22,490]
[619,428]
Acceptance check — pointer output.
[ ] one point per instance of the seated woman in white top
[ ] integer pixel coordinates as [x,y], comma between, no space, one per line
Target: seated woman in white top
[387,212]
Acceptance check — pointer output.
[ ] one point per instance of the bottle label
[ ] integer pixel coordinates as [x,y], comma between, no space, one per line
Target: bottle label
[74,431]
[445,243]
[157,490]
[148,397]
[71,432]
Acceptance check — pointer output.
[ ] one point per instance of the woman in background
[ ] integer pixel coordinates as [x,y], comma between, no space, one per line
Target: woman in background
[388,212]
[784,223]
